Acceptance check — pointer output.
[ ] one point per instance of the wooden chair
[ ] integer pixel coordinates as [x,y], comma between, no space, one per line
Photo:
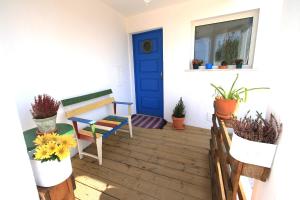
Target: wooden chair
[96,130]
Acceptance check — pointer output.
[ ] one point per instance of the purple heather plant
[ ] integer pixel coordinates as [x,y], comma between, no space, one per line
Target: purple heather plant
[44,106]
[258,129]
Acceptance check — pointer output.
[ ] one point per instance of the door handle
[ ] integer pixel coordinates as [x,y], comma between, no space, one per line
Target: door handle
[161,75]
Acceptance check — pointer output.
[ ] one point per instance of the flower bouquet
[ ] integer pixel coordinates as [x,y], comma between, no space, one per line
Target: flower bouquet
[50,160]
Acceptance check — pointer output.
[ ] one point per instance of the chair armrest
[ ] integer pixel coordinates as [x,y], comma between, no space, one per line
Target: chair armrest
[81,120]
[124,103]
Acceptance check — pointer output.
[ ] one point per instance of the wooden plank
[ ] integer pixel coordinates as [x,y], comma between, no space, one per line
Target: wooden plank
[162,170]
[109,187]
[225,135]
[220,179]
[89,107]
[213,177]
[169,145]
[138,148]
[254,171]
[74,100]
[138,169]
[224,167]
[167,148]
[136,184]
[162,161]
[83,192]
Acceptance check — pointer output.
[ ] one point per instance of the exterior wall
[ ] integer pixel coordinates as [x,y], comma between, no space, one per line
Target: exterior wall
[284,178]
[65,49]
[194,87]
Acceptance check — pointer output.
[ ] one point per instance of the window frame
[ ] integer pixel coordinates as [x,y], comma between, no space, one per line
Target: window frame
[234,16]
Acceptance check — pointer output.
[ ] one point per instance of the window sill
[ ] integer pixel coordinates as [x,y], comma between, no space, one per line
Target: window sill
[215,68]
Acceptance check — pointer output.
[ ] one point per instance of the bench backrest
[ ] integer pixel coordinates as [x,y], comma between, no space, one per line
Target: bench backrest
[89,107]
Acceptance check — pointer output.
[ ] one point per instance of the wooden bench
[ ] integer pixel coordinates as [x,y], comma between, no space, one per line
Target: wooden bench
[96,130]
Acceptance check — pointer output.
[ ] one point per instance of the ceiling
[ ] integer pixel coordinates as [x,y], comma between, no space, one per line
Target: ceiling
[132,7]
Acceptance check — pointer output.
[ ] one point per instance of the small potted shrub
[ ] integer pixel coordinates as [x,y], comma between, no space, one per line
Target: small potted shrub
[44,112]
[226,102]
[223,65]
[196,63]
[254,140]
[50,160]
[178,115]
[239,63]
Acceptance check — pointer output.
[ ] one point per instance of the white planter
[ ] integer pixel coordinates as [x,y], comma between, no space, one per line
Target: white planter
[51,173]
[46,125]
[251,152]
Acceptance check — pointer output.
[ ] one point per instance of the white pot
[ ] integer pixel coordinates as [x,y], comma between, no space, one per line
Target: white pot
[46,125]
[251,152]
[52,172]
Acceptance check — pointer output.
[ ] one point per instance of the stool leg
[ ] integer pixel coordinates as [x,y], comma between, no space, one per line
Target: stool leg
[130,126]
[79,146]
[99,149]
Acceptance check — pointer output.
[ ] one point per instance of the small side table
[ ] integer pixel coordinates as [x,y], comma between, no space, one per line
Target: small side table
[30,135]
[62,191]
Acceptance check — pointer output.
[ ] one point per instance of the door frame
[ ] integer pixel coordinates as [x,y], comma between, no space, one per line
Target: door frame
[131,67]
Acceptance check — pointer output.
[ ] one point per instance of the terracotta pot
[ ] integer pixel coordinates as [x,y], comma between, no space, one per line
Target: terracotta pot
[225,108]
[223,67]
[178,123]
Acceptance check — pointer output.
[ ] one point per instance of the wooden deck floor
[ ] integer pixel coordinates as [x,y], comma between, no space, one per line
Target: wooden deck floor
[154,164]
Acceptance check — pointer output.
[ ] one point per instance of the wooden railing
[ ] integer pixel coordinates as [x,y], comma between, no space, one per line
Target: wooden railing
[225,170]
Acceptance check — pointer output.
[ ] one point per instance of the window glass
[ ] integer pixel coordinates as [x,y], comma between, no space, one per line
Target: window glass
[224,41]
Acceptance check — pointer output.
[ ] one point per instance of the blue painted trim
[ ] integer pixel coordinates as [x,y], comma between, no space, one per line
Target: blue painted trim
[107,134]
[81,120]
[125,103]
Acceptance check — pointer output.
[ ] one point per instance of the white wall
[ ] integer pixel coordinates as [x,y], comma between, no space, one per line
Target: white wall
[195,87]
[60,47]
[65,48]
[283,182]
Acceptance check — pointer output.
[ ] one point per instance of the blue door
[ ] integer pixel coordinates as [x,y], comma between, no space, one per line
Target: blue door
[148,72]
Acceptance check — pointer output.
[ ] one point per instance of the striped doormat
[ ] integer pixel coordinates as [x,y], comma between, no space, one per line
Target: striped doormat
[147,121]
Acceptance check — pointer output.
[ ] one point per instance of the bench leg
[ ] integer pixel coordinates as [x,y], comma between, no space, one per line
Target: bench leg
[80,147]
[99,149]
[130,126]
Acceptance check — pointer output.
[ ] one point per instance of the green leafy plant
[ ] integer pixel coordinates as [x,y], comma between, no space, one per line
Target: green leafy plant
[239,94]
[197,62]
[179,110]
[239,61]
[44,106]
[228,50]
[258,129]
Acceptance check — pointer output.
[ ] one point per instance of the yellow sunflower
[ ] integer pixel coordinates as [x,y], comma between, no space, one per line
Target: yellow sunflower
[62,152]
[41,140]
[68,141]
[51,147]
[41,152]
[53,137]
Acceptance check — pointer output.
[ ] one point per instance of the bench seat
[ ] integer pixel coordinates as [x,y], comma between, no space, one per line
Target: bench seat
[96,129]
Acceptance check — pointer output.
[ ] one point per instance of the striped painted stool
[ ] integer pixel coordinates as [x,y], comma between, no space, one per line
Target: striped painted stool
[96,130]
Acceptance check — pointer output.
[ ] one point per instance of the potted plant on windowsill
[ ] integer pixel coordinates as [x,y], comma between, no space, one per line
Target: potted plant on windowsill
[254,140]
[44,112]
[223,65]
[226,103]
[178,115]
[239,63]
[196,63]
[50,160]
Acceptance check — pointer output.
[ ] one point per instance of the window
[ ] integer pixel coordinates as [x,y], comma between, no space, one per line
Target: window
[226,38]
